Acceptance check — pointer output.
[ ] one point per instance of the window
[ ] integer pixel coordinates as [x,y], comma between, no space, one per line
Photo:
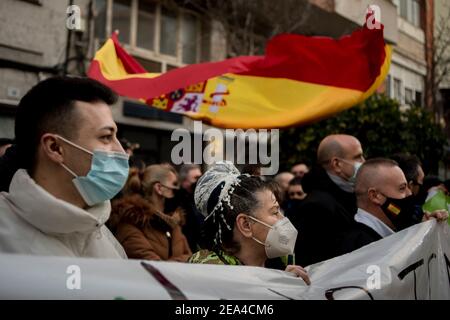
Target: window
[149,65]
[168,32]
[100,19]
[408,96]
[404,8]
[189,38]
[122,19]
[409,10]
[398,89]
[170,67]
[151,31]
[37,2]
[140,110]
[146,25]
[387,86]
[415,15]
[418,99]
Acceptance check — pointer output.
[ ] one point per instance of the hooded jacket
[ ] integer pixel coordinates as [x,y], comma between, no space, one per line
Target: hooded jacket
[146,233]
[32,221]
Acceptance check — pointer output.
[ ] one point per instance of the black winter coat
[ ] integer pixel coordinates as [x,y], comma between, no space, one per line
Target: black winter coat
[322,218]
[359,236]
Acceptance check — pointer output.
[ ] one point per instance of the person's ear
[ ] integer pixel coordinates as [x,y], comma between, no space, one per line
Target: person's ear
[243,224]
[411,185]
[335,164]
[374,197]
[51,146]
[157,188]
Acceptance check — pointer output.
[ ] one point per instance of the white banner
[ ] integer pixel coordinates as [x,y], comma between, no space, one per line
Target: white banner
[412,264]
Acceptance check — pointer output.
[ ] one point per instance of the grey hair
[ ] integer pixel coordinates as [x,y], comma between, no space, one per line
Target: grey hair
[185,169]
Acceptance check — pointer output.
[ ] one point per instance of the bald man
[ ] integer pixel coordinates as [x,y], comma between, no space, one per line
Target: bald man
[341,155]
[326,214]
[384,204]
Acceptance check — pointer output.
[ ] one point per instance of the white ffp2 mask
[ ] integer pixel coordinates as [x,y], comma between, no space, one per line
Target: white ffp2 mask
[281,238]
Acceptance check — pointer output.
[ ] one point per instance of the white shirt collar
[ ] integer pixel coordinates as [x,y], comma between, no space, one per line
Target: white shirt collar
[373,222]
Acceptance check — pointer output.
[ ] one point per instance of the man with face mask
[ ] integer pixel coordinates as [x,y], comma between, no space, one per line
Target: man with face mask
[68,165]
[412,169]
[384,204]
[328,210]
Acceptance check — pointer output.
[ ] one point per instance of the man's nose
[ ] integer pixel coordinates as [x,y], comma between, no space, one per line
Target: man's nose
[118,146]
[408,192]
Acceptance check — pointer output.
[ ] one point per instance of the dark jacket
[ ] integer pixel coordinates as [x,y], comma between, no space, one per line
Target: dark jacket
[194,220]
[322,218]
[146,233]
[357,237]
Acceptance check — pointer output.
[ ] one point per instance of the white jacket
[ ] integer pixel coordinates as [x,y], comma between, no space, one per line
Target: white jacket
[32,221]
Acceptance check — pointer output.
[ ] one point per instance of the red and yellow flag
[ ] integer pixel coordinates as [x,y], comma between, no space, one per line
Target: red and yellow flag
[299,80]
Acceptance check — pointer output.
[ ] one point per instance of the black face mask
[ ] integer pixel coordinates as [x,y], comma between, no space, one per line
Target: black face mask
[421,195]
[403,213]
[170,204]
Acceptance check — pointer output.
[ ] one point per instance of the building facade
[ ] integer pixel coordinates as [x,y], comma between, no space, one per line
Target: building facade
[35,43]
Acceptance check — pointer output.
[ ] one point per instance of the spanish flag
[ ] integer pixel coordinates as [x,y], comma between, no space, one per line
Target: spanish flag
[299,80]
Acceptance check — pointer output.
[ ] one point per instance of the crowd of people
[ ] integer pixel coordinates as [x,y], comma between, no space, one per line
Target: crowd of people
[69,188]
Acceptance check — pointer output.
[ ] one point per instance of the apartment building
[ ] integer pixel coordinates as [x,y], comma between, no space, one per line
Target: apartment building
[35,43]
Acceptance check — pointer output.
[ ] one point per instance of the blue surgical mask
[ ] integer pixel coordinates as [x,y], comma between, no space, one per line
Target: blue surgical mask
[105,179]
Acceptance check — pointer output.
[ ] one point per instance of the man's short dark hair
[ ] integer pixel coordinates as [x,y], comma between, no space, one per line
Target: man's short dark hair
[252,169]
[295,181]
[375,162]
[49,107]
[409,165]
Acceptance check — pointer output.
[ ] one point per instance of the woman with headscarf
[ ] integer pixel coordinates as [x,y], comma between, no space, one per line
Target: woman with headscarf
[243,222]
[138,219]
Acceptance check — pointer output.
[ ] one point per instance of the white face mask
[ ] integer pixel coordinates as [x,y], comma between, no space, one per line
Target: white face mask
[356,166]
[281,238]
